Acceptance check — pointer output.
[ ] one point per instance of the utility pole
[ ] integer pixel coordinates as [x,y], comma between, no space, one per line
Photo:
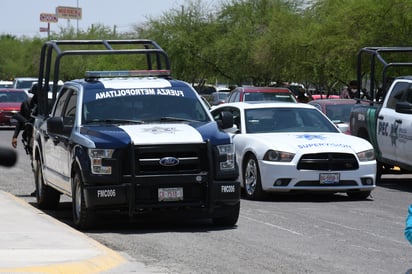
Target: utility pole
[77,26]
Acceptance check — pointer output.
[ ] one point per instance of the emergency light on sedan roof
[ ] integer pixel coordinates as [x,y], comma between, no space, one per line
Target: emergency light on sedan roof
[127,73]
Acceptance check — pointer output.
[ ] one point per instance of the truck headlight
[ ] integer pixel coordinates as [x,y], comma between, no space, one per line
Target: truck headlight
[367,155]
[96,159]
[278,156]
[226,156]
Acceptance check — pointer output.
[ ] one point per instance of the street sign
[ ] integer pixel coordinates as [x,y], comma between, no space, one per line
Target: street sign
[48,17]
[69,12]
[44,29]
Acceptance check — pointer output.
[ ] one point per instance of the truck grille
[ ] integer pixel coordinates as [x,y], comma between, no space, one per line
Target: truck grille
[188,169]
[328,161]
[187,158]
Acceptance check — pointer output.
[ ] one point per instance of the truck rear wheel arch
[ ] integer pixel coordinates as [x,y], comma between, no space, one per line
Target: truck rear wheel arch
[47,197]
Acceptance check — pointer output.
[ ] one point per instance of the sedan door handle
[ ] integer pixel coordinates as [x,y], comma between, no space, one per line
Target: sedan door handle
[399,121]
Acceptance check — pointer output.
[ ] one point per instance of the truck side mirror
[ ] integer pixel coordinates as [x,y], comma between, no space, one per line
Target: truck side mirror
[55,125]
[403,107]
[225,120]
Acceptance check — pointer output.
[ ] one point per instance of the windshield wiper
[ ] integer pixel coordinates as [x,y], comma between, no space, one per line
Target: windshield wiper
[114,121]
[176,119]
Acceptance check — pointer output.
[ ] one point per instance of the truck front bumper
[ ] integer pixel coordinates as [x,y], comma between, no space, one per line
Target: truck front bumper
[137,197]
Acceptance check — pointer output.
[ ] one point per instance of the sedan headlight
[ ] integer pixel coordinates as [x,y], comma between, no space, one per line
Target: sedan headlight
[278,156]
[367,155]
[96,158]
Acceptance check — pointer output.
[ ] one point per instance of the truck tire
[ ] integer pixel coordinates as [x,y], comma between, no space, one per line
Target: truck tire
[230,218]
[83,217]
[47,197]
[252,180]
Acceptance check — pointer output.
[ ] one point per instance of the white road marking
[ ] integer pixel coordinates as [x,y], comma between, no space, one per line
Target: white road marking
[275,226]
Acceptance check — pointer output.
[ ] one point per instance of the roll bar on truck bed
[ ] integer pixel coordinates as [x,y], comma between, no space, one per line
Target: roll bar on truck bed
[53,51]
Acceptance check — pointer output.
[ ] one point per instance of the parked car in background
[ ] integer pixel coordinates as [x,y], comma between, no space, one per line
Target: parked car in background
[60,83]
[206,90]
[209,89]
[218,97]
[338,110]
[248,94]
[6,84]
[10,103]
[302,95]
[324,96]
[24,83]
[284,147]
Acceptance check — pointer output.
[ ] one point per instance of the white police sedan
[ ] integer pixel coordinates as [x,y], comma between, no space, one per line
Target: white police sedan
[283,147]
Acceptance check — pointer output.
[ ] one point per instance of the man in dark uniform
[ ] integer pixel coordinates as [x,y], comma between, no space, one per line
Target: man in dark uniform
[25,121]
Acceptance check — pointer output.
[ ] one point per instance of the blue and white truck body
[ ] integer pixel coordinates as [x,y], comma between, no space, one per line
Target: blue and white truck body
[138,142]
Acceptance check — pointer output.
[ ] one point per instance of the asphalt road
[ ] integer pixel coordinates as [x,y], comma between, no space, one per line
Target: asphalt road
[284,234]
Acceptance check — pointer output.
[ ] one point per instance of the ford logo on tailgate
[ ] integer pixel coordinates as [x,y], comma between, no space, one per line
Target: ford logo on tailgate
[169,161]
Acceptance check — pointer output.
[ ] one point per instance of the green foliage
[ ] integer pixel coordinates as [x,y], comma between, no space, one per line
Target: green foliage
[244,41]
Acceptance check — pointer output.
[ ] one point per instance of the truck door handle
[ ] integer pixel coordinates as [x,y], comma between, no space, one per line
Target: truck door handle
[380,117]
[399,121]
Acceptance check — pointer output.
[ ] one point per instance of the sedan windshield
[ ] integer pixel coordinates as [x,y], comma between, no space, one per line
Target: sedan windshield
[266,120]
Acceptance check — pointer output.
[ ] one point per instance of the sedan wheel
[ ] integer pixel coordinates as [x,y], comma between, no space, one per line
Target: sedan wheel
[251,179]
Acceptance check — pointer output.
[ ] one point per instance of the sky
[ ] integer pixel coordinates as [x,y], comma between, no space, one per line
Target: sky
[22,17]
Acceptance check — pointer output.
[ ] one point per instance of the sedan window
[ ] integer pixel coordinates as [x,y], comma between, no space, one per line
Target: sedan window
[265,120]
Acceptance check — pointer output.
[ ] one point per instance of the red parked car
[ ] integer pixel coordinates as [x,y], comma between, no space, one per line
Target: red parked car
[337,110]
[10,103]
[247,94]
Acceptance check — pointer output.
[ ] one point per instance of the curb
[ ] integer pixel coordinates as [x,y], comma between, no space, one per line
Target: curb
[105,260]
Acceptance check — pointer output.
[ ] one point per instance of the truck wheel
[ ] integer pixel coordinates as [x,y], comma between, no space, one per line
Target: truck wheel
[82,216]
[47,197]
[251,179]
[359,195]
[230,218]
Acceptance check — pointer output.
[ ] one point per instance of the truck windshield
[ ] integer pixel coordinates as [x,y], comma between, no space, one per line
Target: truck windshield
[144,109]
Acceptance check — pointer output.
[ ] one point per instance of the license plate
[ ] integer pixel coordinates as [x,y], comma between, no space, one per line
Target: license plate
[170,194]
[329,178]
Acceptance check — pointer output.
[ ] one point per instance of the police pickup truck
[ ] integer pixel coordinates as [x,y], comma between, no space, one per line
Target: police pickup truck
[133,141]
[386,121]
